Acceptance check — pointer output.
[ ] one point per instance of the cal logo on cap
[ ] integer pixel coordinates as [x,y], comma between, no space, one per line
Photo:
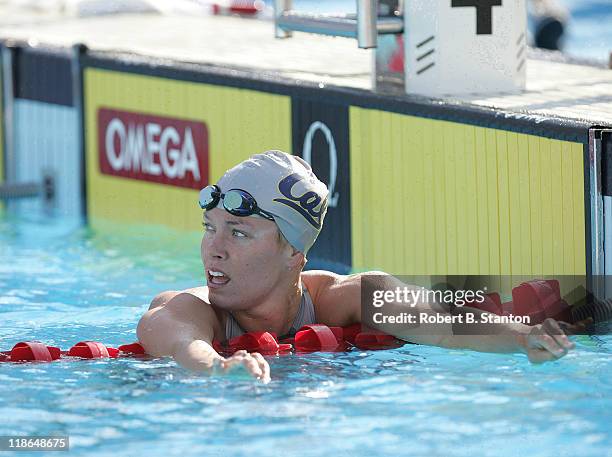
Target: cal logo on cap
[304,204]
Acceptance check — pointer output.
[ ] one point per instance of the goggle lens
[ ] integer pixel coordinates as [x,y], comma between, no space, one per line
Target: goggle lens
[209,196]
[236,201]
[237,204]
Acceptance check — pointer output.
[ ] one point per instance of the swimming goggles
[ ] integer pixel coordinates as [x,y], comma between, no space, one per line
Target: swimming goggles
[237,202]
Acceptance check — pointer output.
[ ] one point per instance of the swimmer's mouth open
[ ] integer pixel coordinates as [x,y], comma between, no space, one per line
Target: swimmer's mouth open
[216,278]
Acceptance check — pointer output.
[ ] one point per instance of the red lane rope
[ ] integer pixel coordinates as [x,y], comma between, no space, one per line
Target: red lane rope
[310,338]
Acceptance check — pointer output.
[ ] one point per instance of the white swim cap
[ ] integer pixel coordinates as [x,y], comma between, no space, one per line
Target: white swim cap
[286,187]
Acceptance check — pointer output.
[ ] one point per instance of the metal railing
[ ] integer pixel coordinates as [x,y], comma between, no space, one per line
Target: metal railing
[44,189]
[365,26]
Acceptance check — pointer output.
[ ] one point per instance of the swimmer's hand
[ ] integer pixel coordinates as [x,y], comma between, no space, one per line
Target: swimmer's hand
[183,329]
[252,364]
[548,340]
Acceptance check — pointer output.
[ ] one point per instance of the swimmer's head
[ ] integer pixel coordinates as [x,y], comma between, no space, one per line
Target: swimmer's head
[285,189]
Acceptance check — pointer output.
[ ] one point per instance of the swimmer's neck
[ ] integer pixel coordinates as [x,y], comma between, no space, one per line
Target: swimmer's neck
[275,314]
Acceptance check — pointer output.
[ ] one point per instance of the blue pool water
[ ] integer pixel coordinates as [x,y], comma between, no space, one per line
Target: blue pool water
[61,282]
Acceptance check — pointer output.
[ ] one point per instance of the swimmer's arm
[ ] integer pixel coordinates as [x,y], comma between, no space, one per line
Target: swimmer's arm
[540,342]
[340,298]
[197,355]
[170,331]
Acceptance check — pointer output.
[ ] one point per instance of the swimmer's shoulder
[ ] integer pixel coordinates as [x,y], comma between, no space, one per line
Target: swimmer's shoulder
[201,293]
[335,297]
[195,303]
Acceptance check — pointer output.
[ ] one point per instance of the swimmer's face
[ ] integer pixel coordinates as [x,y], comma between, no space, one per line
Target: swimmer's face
[243,258]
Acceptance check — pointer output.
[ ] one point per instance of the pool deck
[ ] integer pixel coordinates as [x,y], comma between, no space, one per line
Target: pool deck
[554,89]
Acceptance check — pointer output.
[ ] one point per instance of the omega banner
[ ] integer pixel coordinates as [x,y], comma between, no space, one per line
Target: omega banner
[153,148]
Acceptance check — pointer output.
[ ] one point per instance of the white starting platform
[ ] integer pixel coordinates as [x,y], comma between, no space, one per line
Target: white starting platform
[553,88]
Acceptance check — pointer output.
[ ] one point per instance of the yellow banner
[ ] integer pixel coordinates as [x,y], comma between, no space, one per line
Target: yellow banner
[436,197]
